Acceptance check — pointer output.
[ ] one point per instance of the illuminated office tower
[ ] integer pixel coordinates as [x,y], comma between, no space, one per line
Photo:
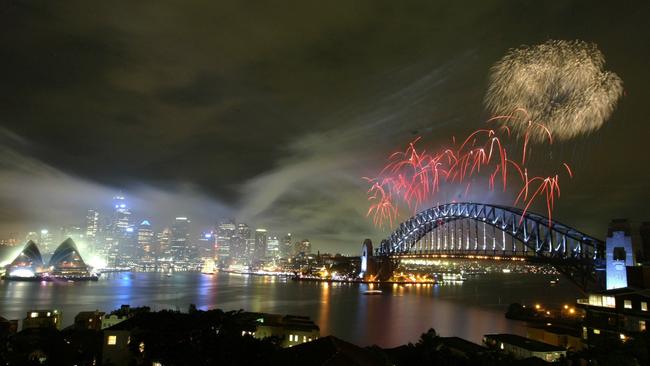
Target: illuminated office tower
[121,213]
[226,234]
[164,241]
[272,247]
[206,245]
[46,241]
[286,249]
[260,244]
[92,227]
[180,240]
[240,244]
[145,246]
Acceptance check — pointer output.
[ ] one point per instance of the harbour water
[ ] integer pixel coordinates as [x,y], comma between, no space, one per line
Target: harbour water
[397,316]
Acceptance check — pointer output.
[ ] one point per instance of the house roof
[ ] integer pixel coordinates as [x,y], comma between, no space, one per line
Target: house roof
[525,343]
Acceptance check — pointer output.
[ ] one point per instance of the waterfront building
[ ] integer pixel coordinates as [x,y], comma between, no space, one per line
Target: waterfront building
[522,348]
[27,264]
[260,244]
[89,320]
[42,319]
[179,248]
[615,315]
[66,262]
[618,253]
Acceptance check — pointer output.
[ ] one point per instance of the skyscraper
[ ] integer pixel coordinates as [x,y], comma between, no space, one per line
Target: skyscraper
[260,244]
[120,237]
[92,227]
[46,241]
[272,247]
[121,213]
[241,245]
[164,241]
[145,246]
[226,235]
[286,249]
[180,239]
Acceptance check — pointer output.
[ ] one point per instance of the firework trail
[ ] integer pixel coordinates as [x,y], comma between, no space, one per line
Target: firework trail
[414,176]
[561,84]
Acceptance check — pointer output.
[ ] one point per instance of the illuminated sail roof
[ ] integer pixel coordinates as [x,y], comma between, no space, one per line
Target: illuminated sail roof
[30,256]
[67,255]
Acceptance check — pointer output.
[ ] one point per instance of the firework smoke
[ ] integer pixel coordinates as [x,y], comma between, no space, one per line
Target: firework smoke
[560,84]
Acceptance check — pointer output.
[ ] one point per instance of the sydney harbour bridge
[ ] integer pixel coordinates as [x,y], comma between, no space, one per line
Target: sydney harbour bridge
[485,231]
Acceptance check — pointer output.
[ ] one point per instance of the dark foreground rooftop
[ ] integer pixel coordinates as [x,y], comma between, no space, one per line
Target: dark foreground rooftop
[525,343]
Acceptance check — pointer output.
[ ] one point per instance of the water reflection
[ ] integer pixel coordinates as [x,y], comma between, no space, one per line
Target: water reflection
[398,315]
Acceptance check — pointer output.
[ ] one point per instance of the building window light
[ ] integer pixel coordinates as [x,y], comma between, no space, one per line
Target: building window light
[304,339]
[622,336]
[112,340]
[627,304]
[501,346]
[642,327]
[596,331]
[33,315]
[644,306]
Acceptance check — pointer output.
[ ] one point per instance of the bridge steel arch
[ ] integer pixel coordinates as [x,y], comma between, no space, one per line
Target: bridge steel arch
[575,254]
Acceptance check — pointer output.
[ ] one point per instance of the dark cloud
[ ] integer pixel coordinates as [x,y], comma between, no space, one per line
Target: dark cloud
[273,112]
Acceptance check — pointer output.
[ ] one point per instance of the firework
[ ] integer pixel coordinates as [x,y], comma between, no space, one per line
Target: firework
[561,84]
[414,176]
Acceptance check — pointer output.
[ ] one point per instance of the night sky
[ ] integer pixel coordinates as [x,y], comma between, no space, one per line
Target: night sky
[272,113]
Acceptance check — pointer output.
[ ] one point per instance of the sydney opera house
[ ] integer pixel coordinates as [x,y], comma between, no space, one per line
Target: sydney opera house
[66,263]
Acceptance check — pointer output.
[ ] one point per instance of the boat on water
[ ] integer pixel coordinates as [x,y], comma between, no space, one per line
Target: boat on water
[373,292]
[451,277]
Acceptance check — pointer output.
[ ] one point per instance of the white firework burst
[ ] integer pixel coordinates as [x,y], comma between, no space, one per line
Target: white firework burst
[560,84]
